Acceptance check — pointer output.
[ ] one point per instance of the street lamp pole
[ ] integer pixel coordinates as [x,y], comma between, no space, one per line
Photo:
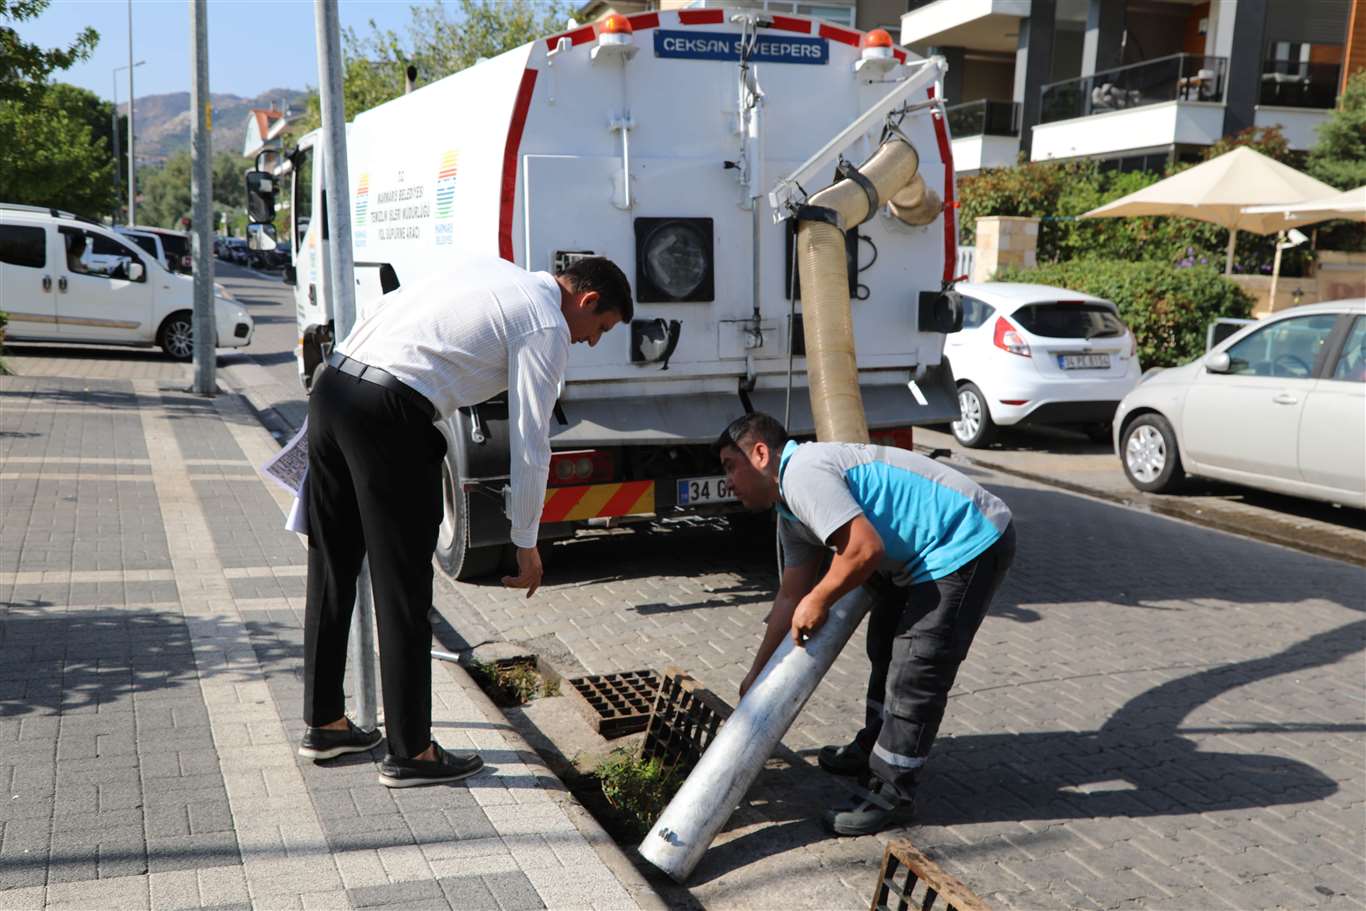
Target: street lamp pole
[114,131]
[132,159]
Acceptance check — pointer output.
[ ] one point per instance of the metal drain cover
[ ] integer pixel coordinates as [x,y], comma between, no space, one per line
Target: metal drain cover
[616,704]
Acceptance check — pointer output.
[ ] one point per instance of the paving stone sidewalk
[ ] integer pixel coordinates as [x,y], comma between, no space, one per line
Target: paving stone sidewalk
[150,686]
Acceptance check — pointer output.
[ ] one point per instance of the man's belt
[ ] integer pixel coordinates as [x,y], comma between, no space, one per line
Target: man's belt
[353,367]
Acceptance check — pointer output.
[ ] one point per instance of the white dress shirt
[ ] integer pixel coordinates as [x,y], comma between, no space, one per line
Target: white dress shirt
[465,335]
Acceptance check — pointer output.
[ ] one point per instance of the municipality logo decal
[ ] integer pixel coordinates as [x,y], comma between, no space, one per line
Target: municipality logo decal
[445,184]
[362,198]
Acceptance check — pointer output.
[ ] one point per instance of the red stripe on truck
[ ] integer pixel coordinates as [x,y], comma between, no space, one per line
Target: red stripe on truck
[701,16]
[508,194]
[946,153]
[642,21]
[842,35]
[790,24]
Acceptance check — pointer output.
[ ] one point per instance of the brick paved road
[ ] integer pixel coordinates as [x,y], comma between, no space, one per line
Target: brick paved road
[1154,715]
[150,692]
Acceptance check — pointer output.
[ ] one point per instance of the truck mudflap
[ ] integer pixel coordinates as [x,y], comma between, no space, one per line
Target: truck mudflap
[697,419]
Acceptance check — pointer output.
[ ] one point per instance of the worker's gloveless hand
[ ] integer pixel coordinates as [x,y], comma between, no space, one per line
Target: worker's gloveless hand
[528,571]
[808,617]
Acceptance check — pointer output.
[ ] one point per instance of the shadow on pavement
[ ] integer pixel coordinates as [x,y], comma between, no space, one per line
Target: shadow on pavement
[60,663]
[1139,764]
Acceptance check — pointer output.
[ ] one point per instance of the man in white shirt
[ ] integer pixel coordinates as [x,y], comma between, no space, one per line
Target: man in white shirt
[374,474]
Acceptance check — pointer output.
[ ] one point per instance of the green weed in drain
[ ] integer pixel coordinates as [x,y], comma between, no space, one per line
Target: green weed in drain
[511,684]
[639,788]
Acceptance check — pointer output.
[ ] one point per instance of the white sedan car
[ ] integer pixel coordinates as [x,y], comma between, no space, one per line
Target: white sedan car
[1280,405]
[1034,354]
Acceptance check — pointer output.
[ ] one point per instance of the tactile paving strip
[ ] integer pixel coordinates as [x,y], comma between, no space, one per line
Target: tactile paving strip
[684,722]
[616,704]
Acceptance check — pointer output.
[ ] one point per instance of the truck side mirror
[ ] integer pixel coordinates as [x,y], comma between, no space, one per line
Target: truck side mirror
[260,197]
[262,238]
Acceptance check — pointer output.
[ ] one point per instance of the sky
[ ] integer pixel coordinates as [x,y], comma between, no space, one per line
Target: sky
[254,45]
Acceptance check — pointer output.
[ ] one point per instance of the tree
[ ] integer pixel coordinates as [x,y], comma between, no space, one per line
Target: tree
[439,44]
[56,151]
[24,67]
[1270,141]
[166,190]
[1339,157]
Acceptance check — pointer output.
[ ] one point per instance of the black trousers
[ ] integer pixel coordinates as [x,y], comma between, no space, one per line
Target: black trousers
[374,488]
[918,637]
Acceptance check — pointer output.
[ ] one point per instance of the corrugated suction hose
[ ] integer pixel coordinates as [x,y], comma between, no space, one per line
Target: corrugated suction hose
[828,324]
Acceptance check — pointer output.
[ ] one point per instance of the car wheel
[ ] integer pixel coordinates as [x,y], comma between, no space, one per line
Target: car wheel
[974,427]
[176,336]
[453,551]
[1148,451]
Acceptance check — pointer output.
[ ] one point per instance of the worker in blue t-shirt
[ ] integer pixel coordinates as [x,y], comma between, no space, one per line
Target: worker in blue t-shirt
[933,543]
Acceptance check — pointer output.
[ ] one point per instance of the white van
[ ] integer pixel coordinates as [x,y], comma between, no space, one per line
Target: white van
[64,278]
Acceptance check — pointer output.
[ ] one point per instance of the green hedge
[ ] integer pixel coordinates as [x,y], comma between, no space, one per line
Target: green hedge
[1169,309]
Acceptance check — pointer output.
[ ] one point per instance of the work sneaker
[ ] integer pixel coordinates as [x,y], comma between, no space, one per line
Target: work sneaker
[408,773]
[850,760]
[321,743]
[879,807]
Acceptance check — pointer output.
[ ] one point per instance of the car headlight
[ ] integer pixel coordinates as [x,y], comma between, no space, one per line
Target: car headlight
[674,259]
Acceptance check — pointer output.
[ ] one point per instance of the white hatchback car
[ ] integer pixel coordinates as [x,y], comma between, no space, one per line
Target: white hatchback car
[1279,405]
[1035,354]
[67,279]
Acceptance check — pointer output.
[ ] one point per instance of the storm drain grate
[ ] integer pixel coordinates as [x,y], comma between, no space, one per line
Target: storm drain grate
[616,704]
[909,879]
[684,722]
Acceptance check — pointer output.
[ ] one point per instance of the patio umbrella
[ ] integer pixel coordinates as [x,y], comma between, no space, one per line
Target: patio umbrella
[1220,191]
[1349,204]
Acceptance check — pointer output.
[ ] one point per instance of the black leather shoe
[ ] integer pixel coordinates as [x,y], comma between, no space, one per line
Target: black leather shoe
[880,807]
[849,760]
[320,744]
[408,773]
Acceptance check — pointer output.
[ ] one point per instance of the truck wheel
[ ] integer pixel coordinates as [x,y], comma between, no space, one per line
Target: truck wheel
[176,336]
[453,551]
[1149,454]
[974,427]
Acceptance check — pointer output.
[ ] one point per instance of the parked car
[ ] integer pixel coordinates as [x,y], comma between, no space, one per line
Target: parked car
[1038,355]
[1279,405]
[235,250]
[149,242]
[68,279]
[178,248]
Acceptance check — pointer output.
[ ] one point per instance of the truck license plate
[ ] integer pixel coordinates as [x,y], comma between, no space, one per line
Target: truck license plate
[1084,361]
[692,491]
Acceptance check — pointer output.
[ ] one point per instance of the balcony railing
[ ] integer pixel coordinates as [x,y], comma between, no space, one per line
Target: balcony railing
[1290,83]
[984,118]
[1180,77]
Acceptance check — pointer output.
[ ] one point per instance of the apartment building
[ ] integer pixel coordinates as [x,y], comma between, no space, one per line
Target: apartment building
[1138,83]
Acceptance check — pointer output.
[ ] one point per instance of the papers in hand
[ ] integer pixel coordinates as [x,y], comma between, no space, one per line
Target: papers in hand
[289,469]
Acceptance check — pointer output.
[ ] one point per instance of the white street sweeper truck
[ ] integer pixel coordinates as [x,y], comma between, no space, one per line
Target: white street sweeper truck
[681,144]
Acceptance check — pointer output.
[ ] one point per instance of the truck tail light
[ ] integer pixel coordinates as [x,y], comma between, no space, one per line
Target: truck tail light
[897,437]
[1008,338]
[584,466]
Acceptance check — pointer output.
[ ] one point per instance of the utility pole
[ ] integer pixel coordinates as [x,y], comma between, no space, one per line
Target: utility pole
[132,159]
[201,202]
[342,288]
[114,131]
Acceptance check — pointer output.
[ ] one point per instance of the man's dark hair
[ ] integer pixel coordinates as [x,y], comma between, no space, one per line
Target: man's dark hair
[600,274]
[753,427]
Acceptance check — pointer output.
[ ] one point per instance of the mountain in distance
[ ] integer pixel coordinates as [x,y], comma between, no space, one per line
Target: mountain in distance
[162,122]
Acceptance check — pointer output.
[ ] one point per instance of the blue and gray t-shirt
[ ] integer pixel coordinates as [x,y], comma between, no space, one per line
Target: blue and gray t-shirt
[932,519]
